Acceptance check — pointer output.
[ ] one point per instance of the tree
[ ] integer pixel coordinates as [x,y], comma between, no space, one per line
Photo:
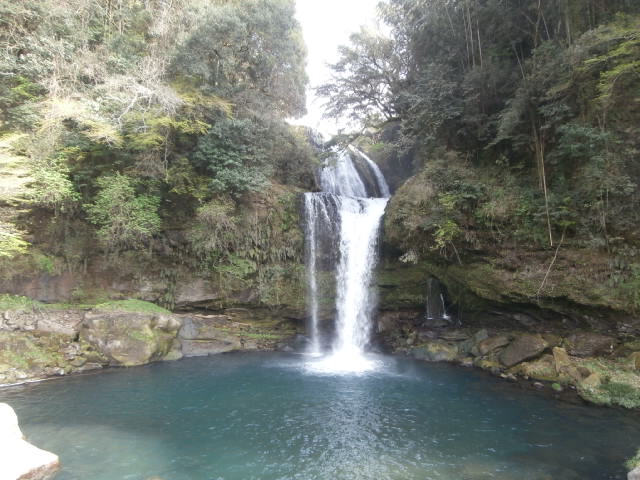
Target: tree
[250,52]
[367,79]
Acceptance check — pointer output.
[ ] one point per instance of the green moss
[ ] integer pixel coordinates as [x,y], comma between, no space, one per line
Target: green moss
[15,302]
[263,336]
[26,351]
[131,305]
[620,385]
[402,285]
[145,336]
[633,462]
[11,244]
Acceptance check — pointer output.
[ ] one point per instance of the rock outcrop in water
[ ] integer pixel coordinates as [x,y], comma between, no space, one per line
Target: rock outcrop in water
[36,344]
[19,460]
[610,377]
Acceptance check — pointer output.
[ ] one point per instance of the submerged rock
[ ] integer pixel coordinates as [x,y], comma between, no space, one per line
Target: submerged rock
[436,351]
[19,460]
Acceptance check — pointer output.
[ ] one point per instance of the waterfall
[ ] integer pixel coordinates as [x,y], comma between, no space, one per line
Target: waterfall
[435,308]
[342,227]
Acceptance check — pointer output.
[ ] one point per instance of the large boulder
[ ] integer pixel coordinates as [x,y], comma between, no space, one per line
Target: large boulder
[588,344]
[197,291]
[28,355]
[129,339]
[524,347]
[565,367]
[488,345]
[19,460]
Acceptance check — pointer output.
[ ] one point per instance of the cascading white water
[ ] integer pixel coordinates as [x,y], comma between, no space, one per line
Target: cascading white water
[345,215]
[359,225]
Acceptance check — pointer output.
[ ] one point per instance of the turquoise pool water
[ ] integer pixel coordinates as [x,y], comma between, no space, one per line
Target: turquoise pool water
[270,416]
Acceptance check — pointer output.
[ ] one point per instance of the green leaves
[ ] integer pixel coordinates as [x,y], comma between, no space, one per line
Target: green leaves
[52,188]
[125,219]
[250,52]
[233,154]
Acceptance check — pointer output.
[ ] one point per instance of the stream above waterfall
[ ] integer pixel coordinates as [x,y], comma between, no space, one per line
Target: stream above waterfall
[266,416]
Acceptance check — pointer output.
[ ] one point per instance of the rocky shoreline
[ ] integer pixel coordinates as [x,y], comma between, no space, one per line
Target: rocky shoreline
[35,345]
[601,368]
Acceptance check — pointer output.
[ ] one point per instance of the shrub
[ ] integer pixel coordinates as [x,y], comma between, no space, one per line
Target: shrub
[125,219]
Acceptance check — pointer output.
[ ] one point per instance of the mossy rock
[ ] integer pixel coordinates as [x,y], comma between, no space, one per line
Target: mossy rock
[542,368]
[26,355]
[435,351]
[524,347]
[611,383]
[129,339]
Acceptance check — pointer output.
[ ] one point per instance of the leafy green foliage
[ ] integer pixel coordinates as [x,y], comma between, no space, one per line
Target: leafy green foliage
[52,187]
[232,154]
[11,242]
[125,218]
[16,302]
[244,47]
[540,108]
[138,113]
[366,79]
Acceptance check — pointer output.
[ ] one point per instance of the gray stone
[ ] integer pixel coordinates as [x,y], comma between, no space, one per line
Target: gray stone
[634,474]
[454,335]
[524,319]
[196,291]
[490,344]
[468,345]
[593,381]
[524,347]
[587,344]
[435,351]
[63,322]
[202,348]
[634,360]
[203,327]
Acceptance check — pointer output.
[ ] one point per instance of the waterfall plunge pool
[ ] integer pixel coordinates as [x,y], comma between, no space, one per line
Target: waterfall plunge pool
[267,416]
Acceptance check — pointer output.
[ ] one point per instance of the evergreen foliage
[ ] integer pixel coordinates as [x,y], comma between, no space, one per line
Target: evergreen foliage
[537,100]
[138,109]
[125,219]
